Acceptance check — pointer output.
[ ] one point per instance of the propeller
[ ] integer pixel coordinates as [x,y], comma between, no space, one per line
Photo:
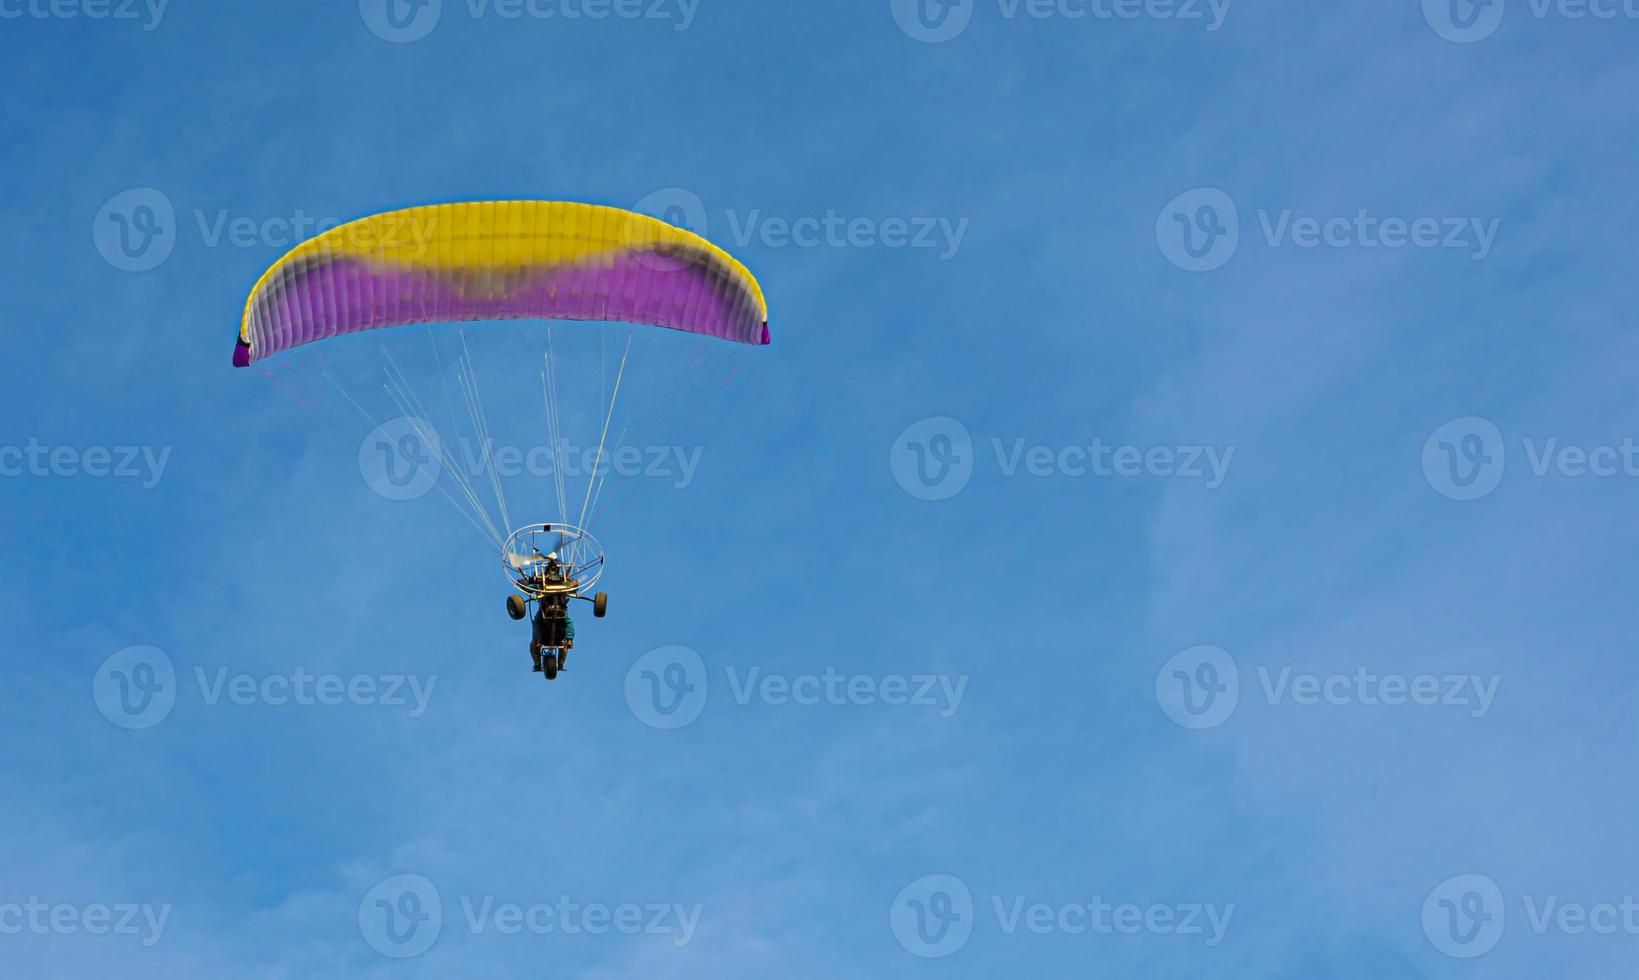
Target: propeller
[520,561]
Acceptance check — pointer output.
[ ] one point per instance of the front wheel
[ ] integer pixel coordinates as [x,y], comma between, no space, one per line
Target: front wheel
[551,665]
[600,605]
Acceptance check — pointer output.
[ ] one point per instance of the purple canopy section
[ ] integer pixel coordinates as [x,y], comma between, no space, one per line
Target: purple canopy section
[331,296]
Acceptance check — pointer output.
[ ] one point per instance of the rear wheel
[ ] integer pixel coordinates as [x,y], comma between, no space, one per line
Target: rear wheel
[515,607]
[600,604]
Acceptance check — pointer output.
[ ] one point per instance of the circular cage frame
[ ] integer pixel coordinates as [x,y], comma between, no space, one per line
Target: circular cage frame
[583,563]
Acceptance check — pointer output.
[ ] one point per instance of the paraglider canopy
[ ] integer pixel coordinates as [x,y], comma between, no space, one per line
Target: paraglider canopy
[500,260]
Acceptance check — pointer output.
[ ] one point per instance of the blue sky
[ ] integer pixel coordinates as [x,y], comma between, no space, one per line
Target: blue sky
[1181,527]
